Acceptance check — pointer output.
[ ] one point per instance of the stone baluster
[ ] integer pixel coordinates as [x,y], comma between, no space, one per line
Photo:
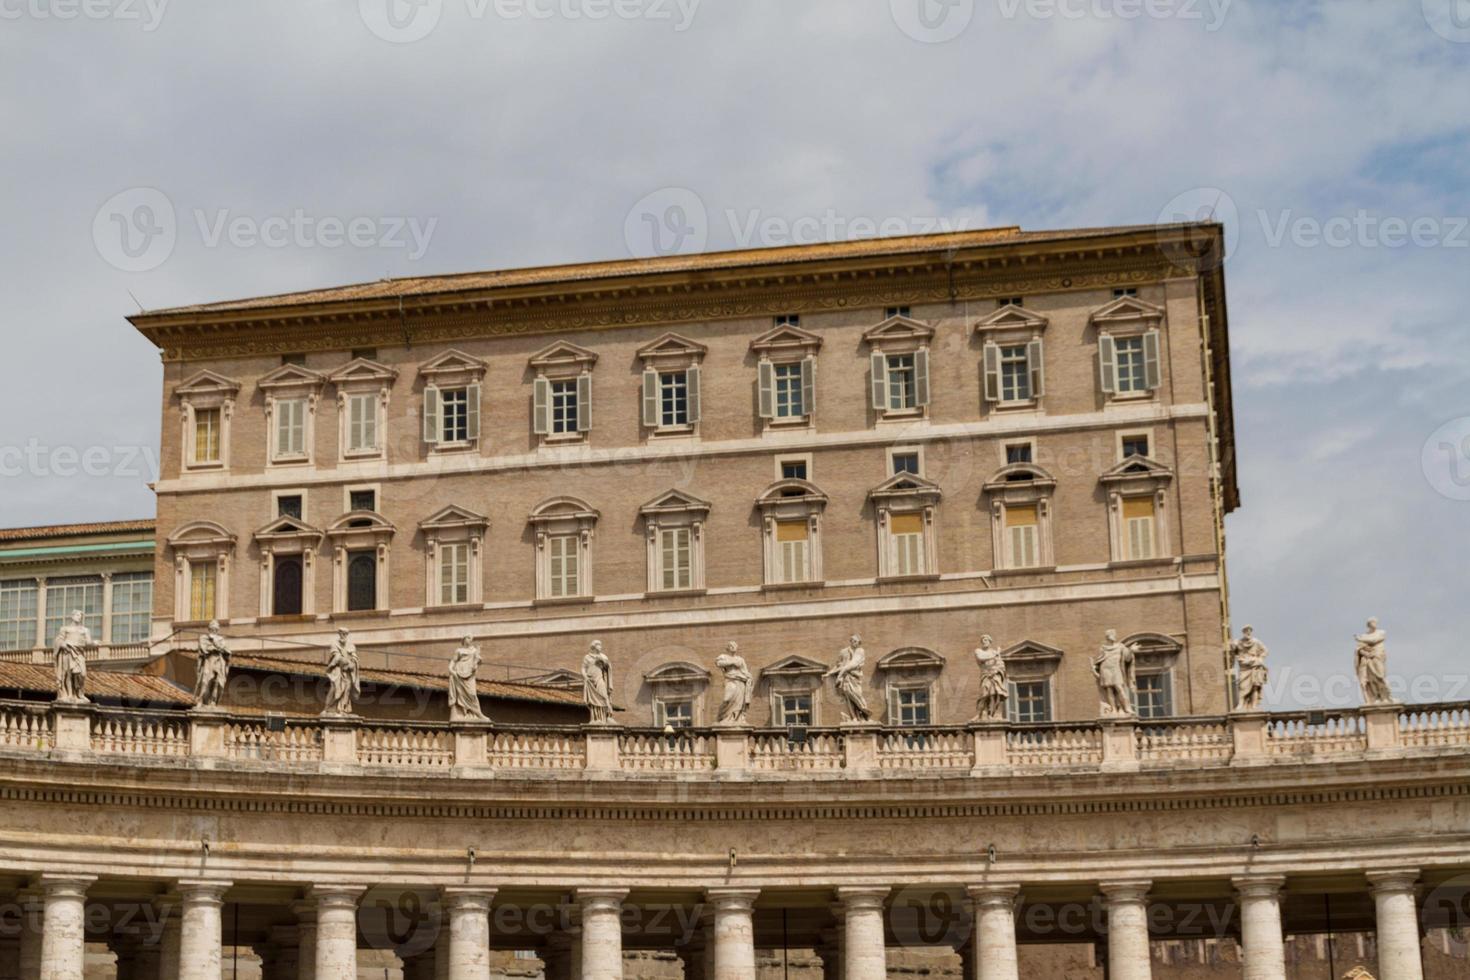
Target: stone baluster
[1264,946]
[1128,949]
[201,929]
[469,932]
[336,931]
[63,937]
[602,933]
[865,956]
[1396,903]
[734,933]
[995,931]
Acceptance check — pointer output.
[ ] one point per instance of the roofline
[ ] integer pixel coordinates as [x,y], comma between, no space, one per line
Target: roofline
[43,532]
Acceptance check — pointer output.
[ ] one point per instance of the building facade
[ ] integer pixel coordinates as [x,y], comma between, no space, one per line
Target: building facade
[918,441]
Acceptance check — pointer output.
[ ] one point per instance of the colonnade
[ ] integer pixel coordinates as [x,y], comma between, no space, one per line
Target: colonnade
[323,942]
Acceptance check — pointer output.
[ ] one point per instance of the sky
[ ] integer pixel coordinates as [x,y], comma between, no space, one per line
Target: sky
[156,153]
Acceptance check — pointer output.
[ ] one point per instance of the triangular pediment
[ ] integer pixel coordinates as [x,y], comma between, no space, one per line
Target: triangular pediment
[786,338]
[208,383]
[292,376]
[362,369]
[1031,650]
[793,665]
[454,516]
[674,500]
[453,362]
[563,352]
[1138,468]
[898,328]
[287,526]
[1011,317]
[1127,309]
[900,484]
[672,345]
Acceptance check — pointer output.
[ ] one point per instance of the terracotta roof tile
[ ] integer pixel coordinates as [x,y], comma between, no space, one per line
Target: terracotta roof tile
[101,684]
[69,530]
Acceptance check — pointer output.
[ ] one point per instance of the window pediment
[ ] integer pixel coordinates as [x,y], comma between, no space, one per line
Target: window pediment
[671,348]
[563,509]
[786,340]
[675,502]
[1020,477]
[910,659]
[563,358]
[1138,474]
[678,672]
[453,366]
[207,388]
[454,518]
[361,524]
[1011,318]
[1031,652]
[794,666]
[201,534]
[287,527]
[291,377]
[898,333]
[364,372]
[784,492]
[906,487]
[1155,650]
[1126,311]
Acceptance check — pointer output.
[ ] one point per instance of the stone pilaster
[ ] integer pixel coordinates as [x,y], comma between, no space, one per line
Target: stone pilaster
[602,933]
[200,922]
[469,932]
[1261,937]
[1395,898]
[995,932]
[336,932]
[865,956]
[1128,950]
[63,937]
[734,933]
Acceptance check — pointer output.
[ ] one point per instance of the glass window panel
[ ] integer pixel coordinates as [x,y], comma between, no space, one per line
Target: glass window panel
[132,607]
[65,595]
[18,603]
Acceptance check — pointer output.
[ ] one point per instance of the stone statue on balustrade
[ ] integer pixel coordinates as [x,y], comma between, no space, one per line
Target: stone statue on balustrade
[994,686]
[212,668]
[1370,660]
[464,697]
[739,686]
[70,650]
[847,678]
[1248,654]
[344,683]
[597,685]
[1113,668]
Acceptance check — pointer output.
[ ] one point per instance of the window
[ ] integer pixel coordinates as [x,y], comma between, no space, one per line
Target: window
[563,550]
[66,595]
[454,403]
[563,407]
[299,360]
[287,593]
[793,469]
[674,713]
[791,537]
[1010,301]
[906,461]
[893,311]
[903,388]
[206,435]
[1129,354]
[203,578]
[18,615]
[1015,374]
[899,366]
[454,574]
[907,534]
[1138,527]
[786,388]
[676,551]
[1129,363]
[1125,291]
[1018,452]
[362,580]
[1030,702]
[788,385]
[1023,545]
[1013,371]
[290,428]
[452,415]
[795,711]
[1134,445]
[362,500]
[673,398]
[911,706]
[132,607]
[365,354]
[1155,695]
[362,422]
[290,505]
[788,320]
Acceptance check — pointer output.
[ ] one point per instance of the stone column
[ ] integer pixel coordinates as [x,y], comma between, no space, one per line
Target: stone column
[865,956]
[734,933]
[63,939]
[286,953]
[1395,898]
[169,939]
[1128,952]
[602,933]
[419,967]
[995,932]
[469,932]
[1263,945]
[336,932]
[305,913]
[200,939]
[31,930]
[831,950]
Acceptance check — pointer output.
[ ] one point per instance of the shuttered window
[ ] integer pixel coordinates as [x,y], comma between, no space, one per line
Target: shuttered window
[907,533]
[676,558]
[206,435]
[562,551]
[1138,527]
[290,417]
[362,422]
[454,574]
[202,578]
[1023,536]
[793,546]
[1030,702]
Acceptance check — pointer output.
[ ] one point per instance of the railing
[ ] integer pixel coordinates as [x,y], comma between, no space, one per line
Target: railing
[45,656]
[1189,739]
[779,752]
[660,752]
[978,751]
[926,748]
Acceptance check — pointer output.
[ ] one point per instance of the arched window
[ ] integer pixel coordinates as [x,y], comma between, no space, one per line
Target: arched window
[362,580]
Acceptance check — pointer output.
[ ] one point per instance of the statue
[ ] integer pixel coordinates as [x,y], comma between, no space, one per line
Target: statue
[847,678]
[739,686]
[1248,654]
[70,650]
[464,700]
[1113,668]
[597,686]
[1371,662]
[994,689]
[213,668]
[345,685]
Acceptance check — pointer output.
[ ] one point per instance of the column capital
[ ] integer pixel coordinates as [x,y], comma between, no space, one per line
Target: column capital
[327,897]
[856,898]
[737,899]
[994,894]
[1126,890]
[600,899]
[1259,886]
[305,912]
[198,891]
[467,897]
[1393,880]
[64,885]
